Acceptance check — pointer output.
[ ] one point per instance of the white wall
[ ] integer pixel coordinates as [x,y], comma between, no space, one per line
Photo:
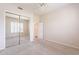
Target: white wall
[41,30]
[31,26]
[13,9]
[61,26]
[2,31]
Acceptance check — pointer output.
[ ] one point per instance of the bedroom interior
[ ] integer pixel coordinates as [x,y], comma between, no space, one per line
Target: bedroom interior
[39,28]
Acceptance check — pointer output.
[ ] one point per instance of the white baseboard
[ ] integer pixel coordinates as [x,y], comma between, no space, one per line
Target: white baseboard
[64,44]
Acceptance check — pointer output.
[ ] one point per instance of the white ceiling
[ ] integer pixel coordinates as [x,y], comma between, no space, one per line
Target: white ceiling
[50,7]
[27,6]
[36,8]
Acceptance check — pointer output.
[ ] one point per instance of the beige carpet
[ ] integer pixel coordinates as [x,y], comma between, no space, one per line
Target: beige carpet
[32,48]
[26,49]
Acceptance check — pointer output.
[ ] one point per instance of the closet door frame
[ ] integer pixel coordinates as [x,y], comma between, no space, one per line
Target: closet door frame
[19,18]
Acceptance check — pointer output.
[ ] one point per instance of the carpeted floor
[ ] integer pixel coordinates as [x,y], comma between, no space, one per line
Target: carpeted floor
[13,41]
[32,48]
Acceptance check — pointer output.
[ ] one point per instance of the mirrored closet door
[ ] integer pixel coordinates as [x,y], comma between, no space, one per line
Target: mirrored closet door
[16,29]
[12,29]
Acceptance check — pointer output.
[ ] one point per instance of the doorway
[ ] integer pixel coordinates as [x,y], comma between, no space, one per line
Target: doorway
[17,29]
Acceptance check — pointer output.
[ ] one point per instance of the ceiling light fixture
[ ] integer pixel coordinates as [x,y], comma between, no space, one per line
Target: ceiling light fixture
[43,4]
[20,8]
